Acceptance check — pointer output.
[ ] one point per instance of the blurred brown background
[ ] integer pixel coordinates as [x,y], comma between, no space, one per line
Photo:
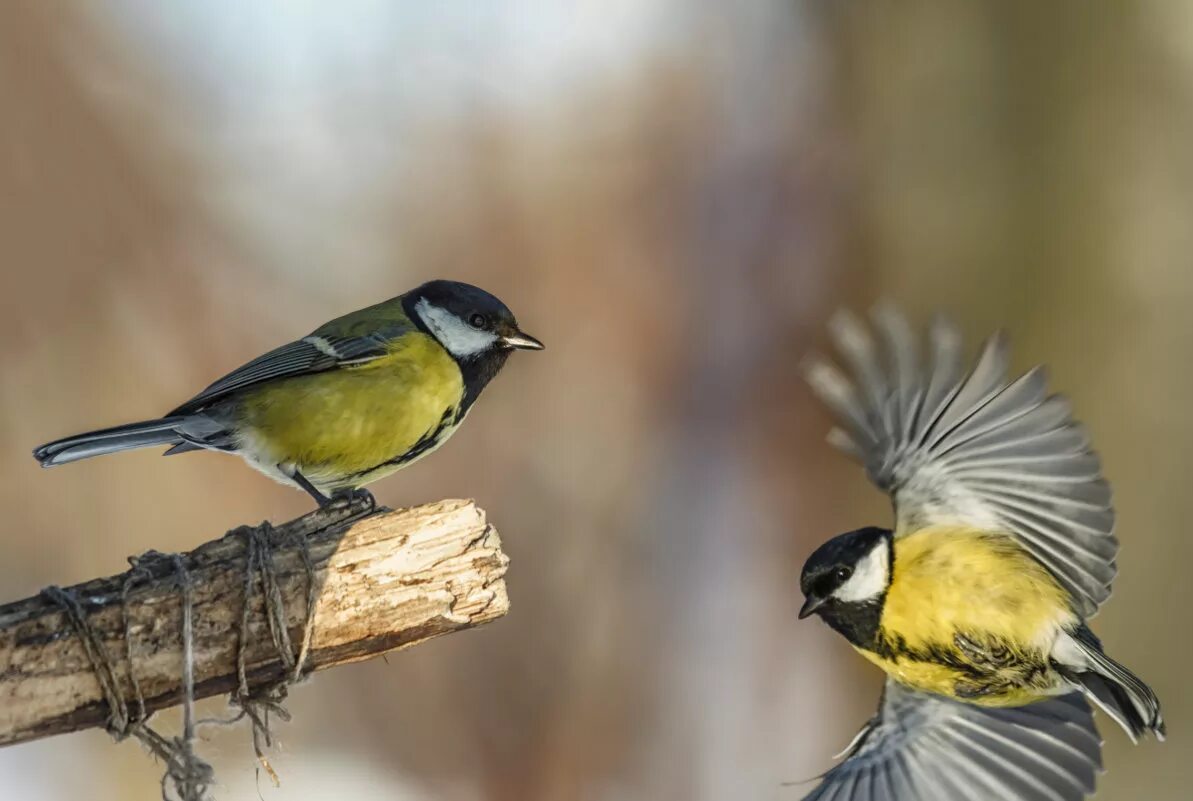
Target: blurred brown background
[673,196]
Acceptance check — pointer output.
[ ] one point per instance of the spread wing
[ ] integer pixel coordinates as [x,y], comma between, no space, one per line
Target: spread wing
[313,354]
[971,448]
[932,748]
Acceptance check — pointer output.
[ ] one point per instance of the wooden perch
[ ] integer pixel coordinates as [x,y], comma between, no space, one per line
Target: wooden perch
[385,580]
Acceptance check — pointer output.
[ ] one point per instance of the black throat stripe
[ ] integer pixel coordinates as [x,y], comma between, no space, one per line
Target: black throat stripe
[859,623]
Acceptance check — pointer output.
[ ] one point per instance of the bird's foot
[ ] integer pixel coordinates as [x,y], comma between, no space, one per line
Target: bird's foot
[353,495]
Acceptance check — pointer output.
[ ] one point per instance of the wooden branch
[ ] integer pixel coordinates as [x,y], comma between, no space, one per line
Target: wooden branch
[384,581]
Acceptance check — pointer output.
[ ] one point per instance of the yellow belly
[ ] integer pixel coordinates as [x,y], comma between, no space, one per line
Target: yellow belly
[948,582]
[353,425]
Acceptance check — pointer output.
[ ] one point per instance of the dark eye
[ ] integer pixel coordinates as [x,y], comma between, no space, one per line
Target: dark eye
[842,573]
[478,321]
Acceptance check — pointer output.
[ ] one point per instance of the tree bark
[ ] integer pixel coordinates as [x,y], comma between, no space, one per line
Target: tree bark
[381,581]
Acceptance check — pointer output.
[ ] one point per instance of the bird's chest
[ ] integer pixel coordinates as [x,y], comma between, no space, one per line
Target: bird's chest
[969,615]
[352,424]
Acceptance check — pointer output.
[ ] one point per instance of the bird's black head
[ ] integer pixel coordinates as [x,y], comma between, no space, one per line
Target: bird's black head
[476,328]
[845,580]
[466,320]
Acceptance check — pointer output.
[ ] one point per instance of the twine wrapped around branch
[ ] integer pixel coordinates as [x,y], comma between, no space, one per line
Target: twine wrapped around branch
[248,614]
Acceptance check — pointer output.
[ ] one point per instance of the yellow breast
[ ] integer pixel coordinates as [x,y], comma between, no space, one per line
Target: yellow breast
[351,425]
[948,581]
[927,676]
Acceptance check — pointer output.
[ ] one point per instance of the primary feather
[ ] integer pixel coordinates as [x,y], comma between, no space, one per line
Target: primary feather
[929,748]
[973,449]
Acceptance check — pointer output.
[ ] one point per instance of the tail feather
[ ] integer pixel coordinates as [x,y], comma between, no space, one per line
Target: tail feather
[1116,690]
[186,446]
[1114,701]
[110,440]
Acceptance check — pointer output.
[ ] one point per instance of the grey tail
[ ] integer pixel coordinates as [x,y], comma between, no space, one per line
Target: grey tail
[110,440]
[1116,690]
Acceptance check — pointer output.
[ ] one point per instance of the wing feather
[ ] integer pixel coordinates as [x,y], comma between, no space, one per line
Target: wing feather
[1011,404]
[863,787]
[838,394]
[899,778]
[904,358]
[983,384]
[971,448]
[312,354]
[953,777]
[884,783]
[858,350]
[944,379]
[929,747]
[1034,774]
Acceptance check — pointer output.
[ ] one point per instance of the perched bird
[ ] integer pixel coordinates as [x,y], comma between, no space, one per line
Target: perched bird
[363,396]
[975,604]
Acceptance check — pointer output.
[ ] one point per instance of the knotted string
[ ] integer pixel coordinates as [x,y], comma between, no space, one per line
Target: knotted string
[257,704]
[187,776]
[186,773]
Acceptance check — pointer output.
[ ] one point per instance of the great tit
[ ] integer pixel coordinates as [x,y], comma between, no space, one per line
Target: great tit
[361,397]
[975,603]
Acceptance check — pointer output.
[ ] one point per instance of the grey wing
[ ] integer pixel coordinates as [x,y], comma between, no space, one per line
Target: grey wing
[931,748]
[310,354]
[971,448]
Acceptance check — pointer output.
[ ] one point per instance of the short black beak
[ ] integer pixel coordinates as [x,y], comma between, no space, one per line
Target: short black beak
[522,341]
[811,604]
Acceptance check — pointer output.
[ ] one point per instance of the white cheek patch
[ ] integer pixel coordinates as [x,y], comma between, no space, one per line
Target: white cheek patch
[870,576]
[461,339]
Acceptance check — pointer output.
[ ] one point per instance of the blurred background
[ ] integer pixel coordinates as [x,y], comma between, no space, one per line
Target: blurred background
[674,196]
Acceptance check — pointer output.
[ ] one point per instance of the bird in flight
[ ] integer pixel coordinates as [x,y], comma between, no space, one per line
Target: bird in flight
[974,603]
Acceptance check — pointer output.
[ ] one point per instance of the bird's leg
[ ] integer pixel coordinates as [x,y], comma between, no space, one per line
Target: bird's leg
[969,689]
[991,656]
[972,651]
[991,667]
[308,487]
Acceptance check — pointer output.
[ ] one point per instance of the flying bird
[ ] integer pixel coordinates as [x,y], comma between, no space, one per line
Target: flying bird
[974,603]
